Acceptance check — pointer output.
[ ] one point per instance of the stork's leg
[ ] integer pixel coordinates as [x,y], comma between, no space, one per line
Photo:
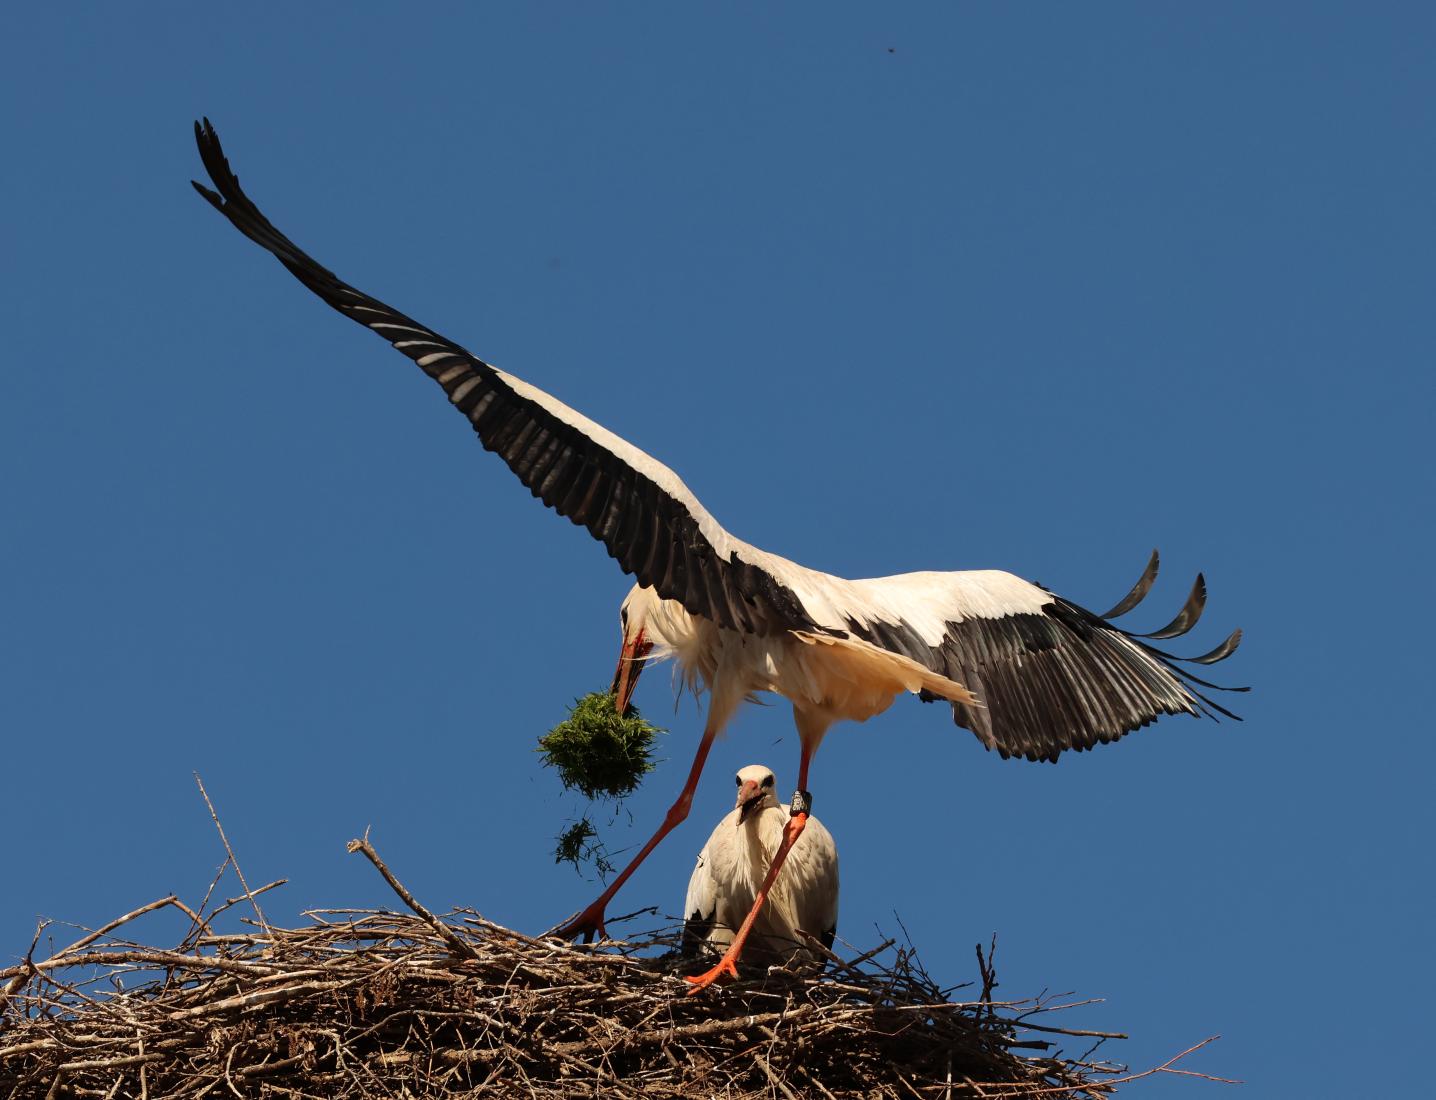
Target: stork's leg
[590,920]
[802,806]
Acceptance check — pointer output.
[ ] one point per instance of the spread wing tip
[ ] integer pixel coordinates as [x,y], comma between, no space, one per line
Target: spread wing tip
[211,154]
[1139,590]
[1188,616]
[1220,652]
[211,197]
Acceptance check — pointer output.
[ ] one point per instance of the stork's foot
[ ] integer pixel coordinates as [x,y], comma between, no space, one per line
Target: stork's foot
[703,981]
[586,923]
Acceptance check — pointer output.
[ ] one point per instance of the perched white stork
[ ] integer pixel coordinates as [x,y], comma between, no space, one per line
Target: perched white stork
[1030,673]
[731,868]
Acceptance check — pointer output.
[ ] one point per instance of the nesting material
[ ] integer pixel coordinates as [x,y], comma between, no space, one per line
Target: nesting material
[599,752]
[579,844]
[371,1003]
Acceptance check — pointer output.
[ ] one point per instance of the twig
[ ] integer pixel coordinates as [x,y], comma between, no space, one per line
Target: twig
[777,1081]
[242,897]
[230,852]
[988,969]
[850,965]
[85,941]
[450,937]
[22,971]
[1165,1067]
[198,925]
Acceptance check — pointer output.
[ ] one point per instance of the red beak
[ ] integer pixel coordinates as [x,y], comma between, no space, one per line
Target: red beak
[749,795]
[630,666]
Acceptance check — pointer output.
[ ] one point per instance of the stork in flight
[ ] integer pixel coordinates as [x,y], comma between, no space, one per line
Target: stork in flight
[1030,673]
[731,868]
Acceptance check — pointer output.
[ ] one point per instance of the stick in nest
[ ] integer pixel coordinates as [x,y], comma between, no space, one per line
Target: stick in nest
[259,914]
[362,844]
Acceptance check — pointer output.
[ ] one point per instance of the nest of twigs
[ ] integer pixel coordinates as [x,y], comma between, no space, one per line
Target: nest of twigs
[360,1003]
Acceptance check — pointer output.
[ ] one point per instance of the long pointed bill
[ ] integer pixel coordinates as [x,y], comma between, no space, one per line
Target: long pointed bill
[749,796]
[630,667]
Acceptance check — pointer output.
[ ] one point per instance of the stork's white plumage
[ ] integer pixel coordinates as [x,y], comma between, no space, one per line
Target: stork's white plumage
[731,868]
[1030,673]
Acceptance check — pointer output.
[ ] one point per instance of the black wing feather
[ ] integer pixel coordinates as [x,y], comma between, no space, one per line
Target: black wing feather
[1064,678]
[1139,590]
[1187,617]
[649,532]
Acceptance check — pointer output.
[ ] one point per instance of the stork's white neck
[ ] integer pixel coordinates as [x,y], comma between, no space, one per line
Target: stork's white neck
[669,627]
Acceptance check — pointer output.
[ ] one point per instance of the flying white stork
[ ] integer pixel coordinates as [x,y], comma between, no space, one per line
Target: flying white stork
[731,868]
[1030,673]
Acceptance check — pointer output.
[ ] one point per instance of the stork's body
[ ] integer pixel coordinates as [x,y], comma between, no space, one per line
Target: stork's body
[730,870]
[827,676]
[1030,673]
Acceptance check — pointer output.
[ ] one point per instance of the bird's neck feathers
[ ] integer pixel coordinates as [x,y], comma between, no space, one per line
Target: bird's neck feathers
[677,635]
[668,625]
[761,834]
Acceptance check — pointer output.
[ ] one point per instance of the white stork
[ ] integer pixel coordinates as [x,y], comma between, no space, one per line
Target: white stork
[731,868]
[1030,673]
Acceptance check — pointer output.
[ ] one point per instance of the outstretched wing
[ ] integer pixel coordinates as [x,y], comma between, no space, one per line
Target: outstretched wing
[637,507]
[1048,675]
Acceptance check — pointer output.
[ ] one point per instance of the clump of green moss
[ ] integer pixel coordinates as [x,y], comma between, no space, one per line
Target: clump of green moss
[579,844]
[599,752]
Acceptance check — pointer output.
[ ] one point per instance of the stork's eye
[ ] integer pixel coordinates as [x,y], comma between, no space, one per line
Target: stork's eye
[767,780]
[738,779]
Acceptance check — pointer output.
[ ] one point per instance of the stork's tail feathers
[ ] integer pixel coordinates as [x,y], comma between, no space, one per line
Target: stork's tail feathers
[906,672]
[1185,619]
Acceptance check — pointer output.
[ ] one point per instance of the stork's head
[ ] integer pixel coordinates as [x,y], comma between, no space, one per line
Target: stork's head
[633,617]
[756,791]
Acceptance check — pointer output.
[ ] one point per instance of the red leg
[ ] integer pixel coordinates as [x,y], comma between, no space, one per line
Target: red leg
[590,920]
[728,963]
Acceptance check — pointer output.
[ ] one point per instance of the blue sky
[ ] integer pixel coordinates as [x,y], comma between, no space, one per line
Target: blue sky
[1030,287]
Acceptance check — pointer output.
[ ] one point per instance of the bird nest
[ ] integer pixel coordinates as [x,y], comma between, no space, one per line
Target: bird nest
[367,1002]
